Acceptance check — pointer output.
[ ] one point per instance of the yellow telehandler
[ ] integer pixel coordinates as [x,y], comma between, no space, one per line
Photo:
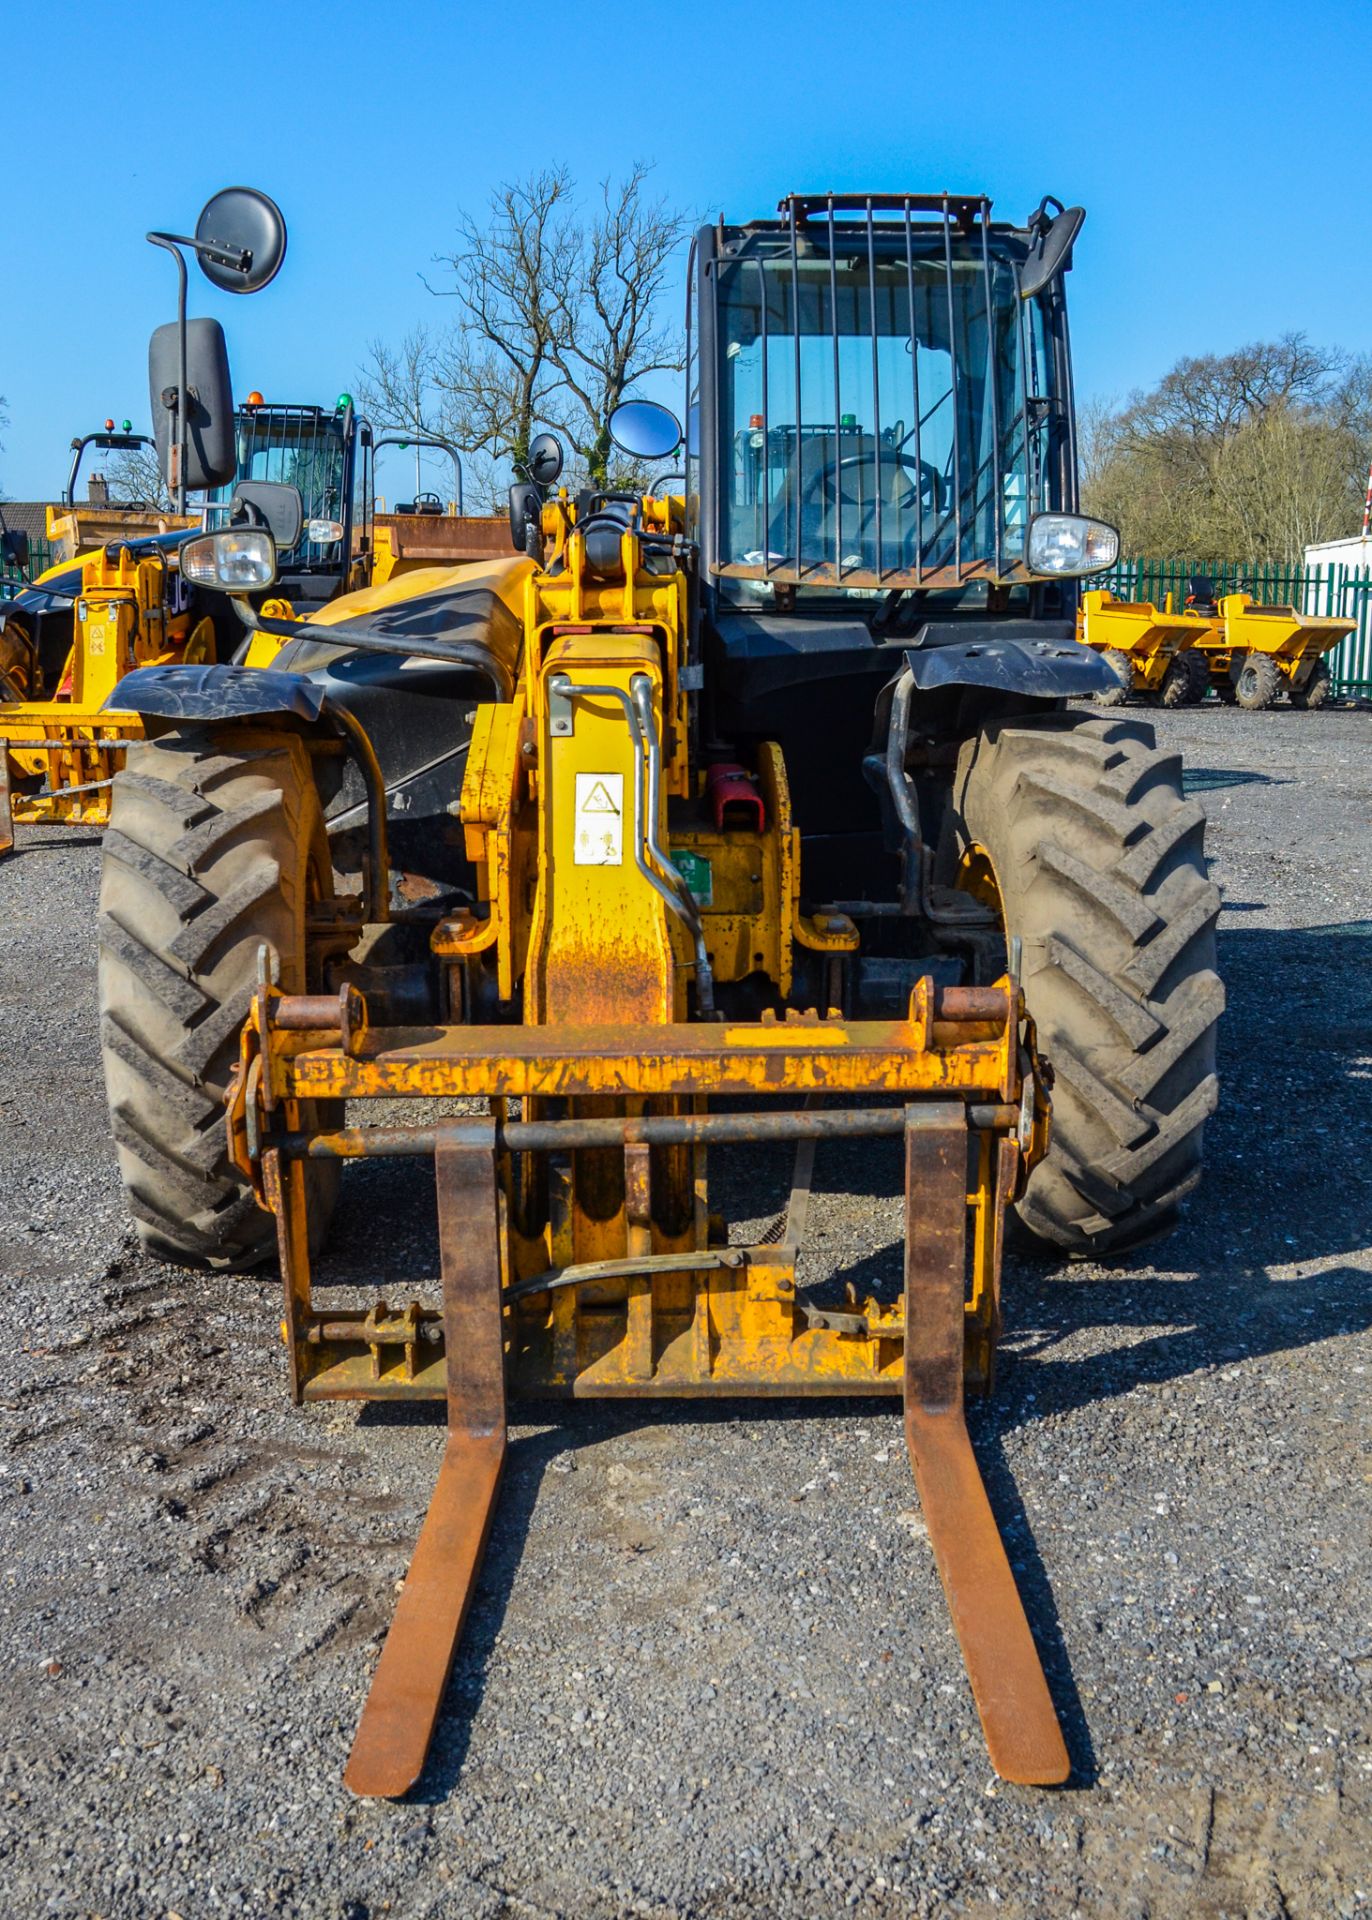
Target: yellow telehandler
[747,807]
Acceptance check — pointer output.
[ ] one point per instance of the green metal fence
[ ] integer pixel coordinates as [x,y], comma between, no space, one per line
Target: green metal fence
[41,555]
[1333,589]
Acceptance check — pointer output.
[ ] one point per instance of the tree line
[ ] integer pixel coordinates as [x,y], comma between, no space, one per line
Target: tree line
[1245,456]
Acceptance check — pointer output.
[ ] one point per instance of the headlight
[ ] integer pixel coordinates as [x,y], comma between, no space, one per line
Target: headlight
[236,560]
[1062,543]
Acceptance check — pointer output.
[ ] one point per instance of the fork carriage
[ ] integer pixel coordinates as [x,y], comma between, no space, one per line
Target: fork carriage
[579,1257]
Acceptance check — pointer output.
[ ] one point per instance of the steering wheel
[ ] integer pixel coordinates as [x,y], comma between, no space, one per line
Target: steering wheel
[925,486]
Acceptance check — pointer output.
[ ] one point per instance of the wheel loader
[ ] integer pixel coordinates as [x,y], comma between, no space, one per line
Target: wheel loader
[749,808]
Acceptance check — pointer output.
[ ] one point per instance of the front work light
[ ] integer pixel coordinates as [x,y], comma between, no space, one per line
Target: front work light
[236,560]
[1069,543]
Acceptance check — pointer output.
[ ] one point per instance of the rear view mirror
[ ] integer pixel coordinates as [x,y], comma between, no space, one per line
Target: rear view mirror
[1050,250]
[525,509]
[211,457]
[240,242]
[644,429]
[273,505]
[246,224]
[545,458]
[14,548]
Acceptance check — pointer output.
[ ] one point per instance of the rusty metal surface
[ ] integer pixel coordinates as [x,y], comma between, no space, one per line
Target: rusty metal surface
[832,1056]
[407,1690]
[1022,1733]
[552,1136]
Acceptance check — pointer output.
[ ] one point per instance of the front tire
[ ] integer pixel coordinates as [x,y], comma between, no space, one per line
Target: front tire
[215,844]
[1082,829]
[1177,689]
[1259,682]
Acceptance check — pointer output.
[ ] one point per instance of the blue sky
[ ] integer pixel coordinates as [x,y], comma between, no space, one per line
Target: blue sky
[1221,152]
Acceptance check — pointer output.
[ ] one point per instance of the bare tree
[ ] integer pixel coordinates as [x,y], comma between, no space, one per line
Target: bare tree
[135,478]
[482,385]
[558,317]
[611,335]
[1208,397]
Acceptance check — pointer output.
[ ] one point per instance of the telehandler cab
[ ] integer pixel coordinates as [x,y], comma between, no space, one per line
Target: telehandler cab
[752,811]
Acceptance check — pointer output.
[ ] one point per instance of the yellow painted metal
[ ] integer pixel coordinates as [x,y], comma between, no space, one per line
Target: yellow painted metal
[734,1324]
[917,1055]
[600,945]
[1293,641]
[1149,639]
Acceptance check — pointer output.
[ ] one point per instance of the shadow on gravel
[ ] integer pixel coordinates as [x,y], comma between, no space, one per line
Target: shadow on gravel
[1035,1588]
[585,1425]
[22,848]
[1290,1182]
[1207,779]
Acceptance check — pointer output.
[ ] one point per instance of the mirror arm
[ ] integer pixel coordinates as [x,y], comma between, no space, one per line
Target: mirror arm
[241,258]
[173,246]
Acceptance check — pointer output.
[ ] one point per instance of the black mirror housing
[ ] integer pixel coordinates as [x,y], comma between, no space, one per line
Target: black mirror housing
[525,509]
[241,221]
[271,504]
[1050,250]
[545,458]
[14,548]
[211,457]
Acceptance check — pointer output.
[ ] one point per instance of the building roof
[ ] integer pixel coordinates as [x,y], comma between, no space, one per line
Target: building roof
[29,515]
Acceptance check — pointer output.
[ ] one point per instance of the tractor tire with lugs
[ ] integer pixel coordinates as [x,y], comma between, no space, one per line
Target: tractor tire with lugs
[1258,682]
[1317,690]
[1098,859]
[1178,687]
[215,844]
[1123,668]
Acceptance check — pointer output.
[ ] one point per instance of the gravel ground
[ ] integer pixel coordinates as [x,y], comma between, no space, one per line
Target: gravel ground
[709,1671]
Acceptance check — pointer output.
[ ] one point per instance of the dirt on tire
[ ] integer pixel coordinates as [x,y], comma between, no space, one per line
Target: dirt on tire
[210,851]
[1099,860]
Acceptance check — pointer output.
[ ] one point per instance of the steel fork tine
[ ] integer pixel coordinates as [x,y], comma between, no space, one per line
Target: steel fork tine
[1008,1685]
[407,1689]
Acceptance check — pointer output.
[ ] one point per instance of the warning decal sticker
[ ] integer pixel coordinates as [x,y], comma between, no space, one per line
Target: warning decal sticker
[599,820]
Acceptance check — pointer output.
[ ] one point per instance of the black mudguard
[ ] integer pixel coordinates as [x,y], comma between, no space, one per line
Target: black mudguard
[198,695]
[1041,660]
[417,713]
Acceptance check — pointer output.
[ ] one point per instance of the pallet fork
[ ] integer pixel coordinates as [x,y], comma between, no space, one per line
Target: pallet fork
[707,1319]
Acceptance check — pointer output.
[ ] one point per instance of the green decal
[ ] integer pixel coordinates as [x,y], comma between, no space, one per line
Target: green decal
[695,871]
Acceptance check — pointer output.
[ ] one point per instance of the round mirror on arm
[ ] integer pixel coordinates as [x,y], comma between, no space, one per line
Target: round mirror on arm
[243,222]
[545,458]
[644,429]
